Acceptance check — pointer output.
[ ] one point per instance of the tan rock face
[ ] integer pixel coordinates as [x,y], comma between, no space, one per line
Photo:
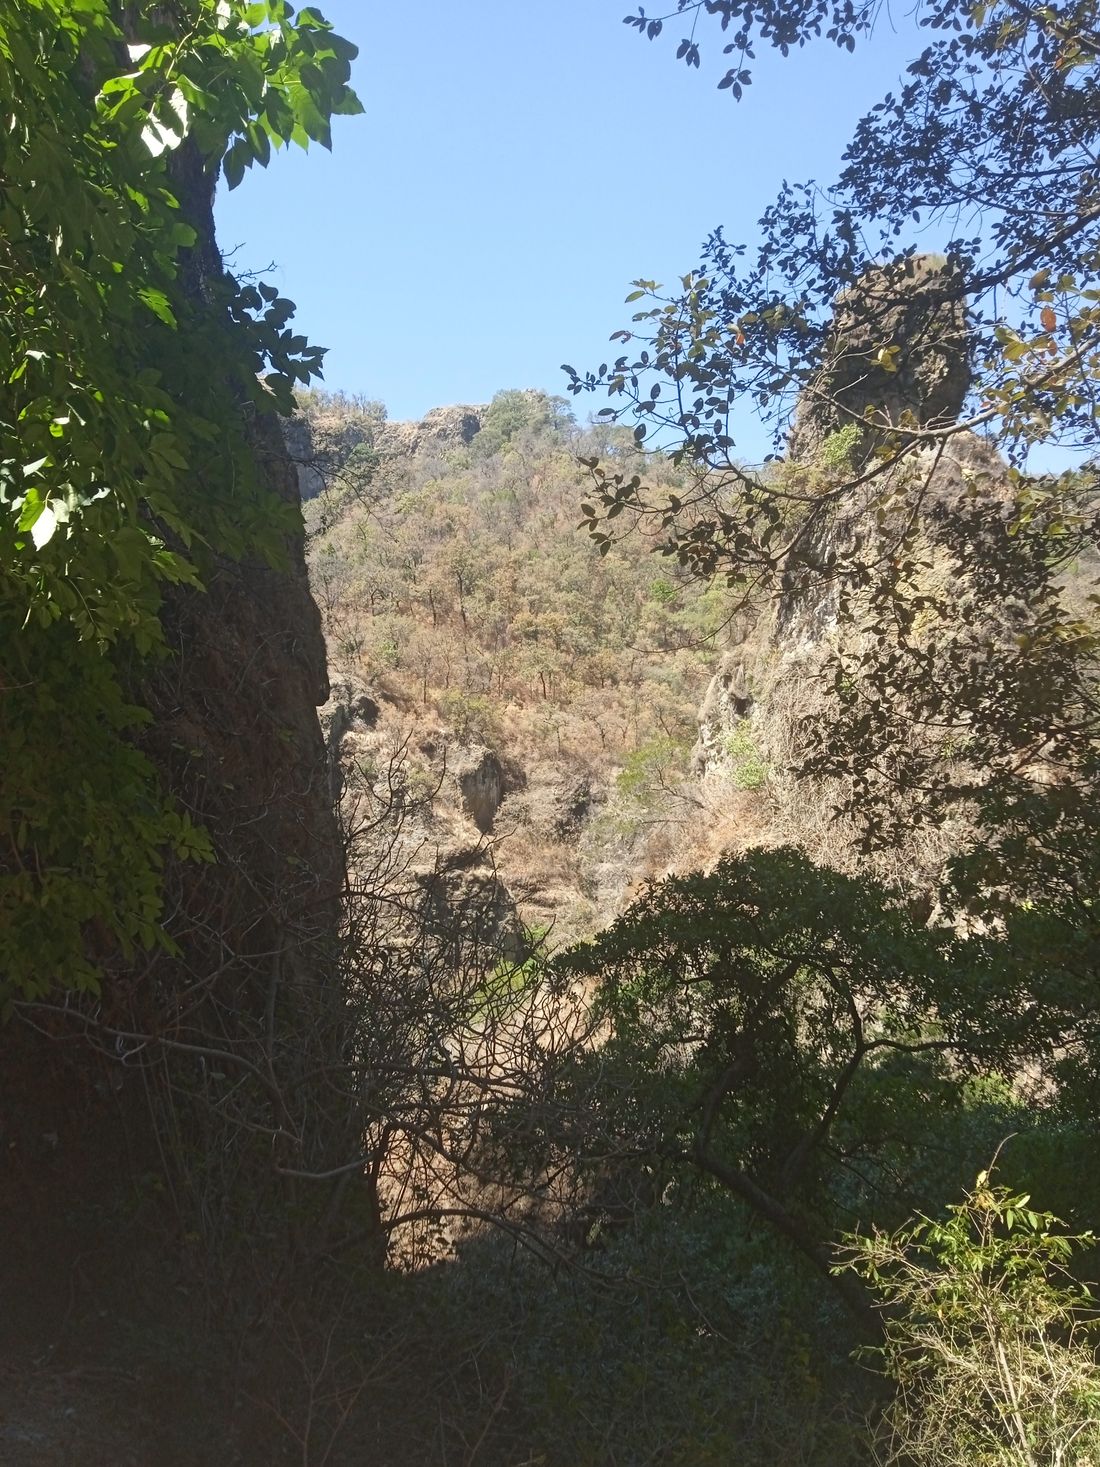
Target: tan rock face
[442,428]
[896,353]
[897,356]
[480,780]
[728,700]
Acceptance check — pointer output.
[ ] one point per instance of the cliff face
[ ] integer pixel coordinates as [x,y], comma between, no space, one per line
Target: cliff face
[896,354]
[146,1130]
[237,734]
[235,729]
[344,440]
[97,1094]
[237,737]
[897,348]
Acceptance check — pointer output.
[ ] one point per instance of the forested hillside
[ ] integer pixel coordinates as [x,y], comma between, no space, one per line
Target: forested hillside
[454,585]
[745,1062]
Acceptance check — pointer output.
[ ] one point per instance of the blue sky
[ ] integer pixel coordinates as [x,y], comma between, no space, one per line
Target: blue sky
[518,165]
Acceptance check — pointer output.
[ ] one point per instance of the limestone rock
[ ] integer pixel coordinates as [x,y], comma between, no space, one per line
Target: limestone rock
[351,706]
[325,441]
[469,903]
[897,345]
[555,804]
[726,703]
[443,428]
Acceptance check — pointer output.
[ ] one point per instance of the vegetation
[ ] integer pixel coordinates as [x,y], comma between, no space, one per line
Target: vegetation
[452,580]
[641,1199]
[455,575]
[995,335]
[747,768]
[988,1336]
[127,462]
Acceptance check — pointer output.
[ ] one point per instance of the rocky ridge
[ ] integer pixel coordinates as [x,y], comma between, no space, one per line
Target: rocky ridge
[769,690]
[450,608]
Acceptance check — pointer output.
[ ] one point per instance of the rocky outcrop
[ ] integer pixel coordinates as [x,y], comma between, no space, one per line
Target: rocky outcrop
[555,803]
[422,806]
[897,348]
[340,442]
[350,706]
[327,443]
[468,905]
[896,353]
[480,779]
[441,429]
[727,702]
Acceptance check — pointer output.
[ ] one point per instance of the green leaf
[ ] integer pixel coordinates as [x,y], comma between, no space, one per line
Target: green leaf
[233,164]
[158,303]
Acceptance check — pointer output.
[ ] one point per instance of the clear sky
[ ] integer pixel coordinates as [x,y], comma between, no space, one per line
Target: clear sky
[518,165]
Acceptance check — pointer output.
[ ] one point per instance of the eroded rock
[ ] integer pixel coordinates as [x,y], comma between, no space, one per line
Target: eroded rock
[898,346]
[480,779]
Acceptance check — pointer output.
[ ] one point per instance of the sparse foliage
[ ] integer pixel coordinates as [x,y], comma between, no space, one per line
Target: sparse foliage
[990,1338]
[989,147]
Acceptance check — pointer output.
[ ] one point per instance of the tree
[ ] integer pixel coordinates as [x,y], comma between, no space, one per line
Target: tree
[132,372]
[515,412]
[897,359]
[781,1030]
[741,1009]
[989,1337]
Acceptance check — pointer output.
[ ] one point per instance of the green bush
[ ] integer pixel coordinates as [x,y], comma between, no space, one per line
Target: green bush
[680,1340]
[472,716]
[990,1339]
[839,448]
[747,768]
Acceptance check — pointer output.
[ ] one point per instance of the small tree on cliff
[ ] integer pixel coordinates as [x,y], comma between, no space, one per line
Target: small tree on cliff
[897,354]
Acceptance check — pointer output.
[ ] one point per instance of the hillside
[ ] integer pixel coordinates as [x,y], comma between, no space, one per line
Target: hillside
[458,593]
[575,720]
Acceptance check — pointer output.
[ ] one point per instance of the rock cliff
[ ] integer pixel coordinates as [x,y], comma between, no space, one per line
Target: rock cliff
[439,429]
[897,354]
[421,803]
[897,349]
[346,440]
[125,1086]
